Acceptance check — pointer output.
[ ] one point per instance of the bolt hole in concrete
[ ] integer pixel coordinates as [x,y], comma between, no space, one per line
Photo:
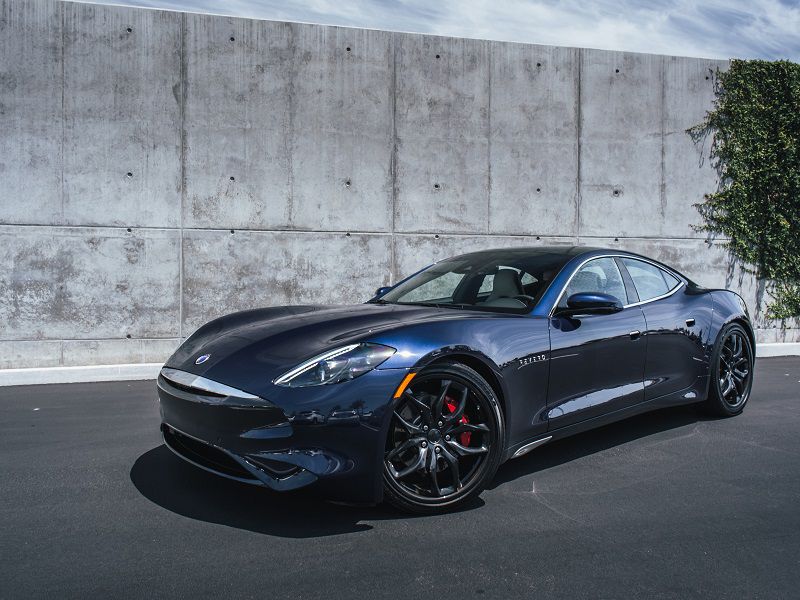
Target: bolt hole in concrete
[616,239]
[538,64]
[538,190]
[129,229]
[438,56]
[348,48]
[436,237]
[128,336]
[232,178]
[538,238]
[130,30]
[436,186]
[233,39]
[616,192]
[347,234]
[616,70]
[128,174]
[347,183]
[232,232]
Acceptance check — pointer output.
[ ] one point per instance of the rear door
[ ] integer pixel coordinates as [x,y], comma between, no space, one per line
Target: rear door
[596,360]
[674,334]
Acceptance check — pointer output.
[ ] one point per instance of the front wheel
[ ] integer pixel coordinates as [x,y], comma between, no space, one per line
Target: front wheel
[731,372]
[445,440]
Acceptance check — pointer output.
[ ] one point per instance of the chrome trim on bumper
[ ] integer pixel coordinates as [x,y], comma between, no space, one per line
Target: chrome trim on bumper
[204,385]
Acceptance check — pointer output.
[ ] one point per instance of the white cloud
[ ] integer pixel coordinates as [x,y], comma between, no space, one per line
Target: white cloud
[714,29]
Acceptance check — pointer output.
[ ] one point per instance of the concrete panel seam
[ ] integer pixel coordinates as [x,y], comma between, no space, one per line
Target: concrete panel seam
[663,183]
[716,241]
[578,133]
[92,339]
[289,137]
[62,10]
[184,134]
[489,140]
[393,159]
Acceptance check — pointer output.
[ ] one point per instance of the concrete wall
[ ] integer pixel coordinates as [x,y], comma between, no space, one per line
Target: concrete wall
[158,169]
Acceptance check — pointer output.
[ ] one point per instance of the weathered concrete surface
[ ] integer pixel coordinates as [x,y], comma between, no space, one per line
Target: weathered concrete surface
[236,113]
[533,140]
[295,135]
[620,173]
[224,272]
[31,121]
[686,167]
[122,142]
[442,125]
[88,283]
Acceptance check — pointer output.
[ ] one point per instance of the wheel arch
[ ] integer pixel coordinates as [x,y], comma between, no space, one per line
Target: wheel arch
[481,365]
[748,327]
[729,307]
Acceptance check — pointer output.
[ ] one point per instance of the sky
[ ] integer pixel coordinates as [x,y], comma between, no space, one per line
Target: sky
[768,29]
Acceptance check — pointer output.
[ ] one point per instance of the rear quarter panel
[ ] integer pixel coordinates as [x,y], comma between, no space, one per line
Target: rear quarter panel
[728,307]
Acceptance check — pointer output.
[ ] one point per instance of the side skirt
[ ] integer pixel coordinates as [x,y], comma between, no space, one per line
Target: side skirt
[676,399]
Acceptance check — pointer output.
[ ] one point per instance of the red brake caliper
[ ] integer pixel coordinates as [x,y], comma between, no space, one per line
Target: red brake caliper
[464,438]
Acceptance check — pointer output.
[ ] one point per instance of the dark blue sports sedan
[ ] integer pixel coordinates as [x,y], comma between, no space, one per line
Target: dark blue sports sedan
[418,395]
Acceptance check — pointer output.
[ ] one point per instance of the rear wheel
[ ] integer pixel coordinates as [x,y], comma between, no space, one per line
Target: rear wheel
[731,372]
[445,440]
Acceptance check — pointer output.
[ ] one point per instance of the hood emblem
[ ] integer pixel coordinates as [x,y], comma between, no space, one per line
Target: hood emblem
[202,358]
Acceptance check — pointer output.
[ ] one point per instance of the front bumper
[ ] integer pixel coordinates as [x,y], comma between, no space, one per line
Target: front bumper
[331,436]
[277,475]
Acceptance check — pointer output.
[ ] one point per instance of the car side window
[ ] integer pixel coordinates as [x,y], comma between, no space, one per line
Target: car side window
[487,284]
[526,280]
[439,288]
[598,275]
[650,281]
[672,281]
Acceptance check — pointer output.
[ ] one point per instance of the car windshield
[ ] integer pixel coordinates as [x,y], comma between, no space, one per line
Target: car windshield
[503,280]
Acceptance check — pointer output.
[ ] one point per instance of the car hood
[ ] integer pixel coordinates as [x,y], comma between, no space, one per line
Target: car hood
[248,348]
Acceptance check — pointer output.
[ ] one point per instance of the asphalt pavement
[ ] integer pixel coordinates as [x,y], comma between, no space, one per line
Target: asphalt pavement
[672,504]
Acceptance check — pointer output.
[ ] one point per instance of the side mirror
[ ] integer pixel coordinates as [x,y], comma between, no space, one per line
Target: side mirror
[593,302]
[382,290]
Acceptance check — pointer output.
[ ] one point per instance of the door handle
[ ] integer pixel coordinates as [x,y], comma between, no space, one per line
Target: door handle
[690,322]
[635,334]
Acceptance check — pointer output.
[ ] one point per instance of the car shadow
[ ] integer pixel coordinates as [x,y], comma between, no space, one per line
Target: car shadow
[596,440]
[181,488]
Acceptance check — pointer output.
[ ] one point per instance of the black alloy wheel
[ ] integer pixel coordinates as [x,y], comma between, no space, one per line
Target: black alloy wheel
[445,440]
[732,372]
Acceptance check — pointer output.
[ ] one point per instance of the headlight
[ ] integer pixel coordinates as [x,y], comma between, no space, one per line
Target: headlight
[336,366]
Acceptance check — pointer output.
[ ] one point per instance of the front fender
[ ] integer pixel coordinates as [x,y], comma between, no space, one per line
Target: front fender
[498,348]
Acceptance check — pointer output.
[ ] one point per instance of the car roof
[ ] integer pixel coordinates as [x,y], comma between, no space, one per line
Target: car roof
[563,252]
[567,252]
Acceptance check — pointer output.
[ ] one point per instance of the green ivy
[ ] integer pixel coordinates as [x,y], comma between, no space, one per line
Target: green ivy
[756,150]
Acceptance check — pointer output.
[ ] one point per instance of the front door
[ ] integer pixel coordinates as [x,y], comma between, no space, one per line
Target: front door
[596,360]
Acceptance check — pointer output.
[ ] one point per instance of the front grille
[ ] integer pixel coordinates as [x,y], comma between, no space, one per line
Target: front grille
[204,455]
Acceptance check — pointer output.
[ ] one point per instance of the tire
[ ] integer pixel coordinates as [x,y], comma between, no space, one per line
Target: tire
[731,376]
[445,440]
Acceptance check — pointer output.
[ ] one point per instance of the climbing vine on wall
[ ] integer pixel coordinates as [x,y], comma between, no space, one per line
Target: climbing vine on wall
[756,147]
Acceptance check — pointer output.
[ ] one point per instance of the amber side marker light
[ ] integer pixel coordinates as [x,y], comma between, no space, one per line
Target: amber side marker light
[403,385]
